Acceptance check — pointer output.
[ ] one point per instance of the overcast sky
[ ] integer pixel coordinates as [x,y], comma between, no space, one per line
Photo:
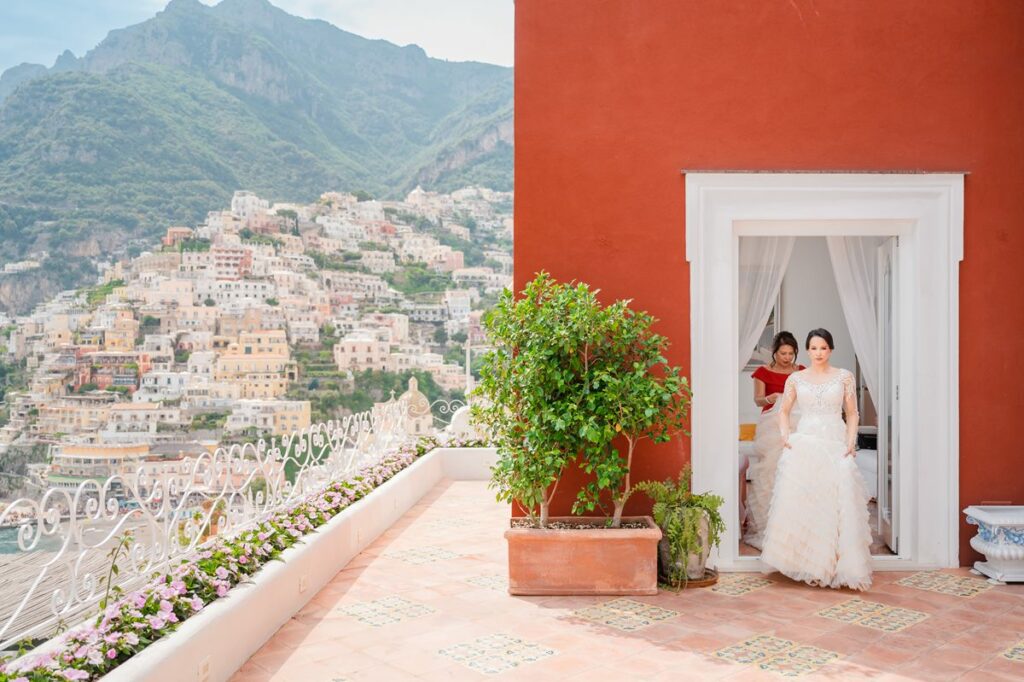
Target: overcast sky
[460,30]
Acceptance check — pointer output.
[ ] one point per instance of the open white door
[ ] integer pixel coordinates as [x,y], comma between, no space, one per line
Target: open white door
[888,394]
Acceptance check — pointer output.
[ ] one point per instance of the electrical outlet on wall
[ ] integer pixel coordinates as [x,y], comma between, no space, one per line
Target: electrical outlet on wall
[303,583]
[203,672]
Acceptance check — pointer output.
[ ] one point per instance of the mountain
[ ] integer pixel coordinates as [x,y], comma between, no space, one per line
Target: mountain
[163,120]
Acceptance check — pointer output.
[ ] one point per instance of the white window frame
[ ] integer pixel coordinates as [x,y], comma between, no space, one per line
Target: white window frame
[926,211]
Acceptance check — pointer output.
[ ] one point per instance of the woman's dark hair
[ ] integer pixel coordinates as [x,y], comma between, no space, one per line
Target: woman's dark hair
[821,334]
[784,339]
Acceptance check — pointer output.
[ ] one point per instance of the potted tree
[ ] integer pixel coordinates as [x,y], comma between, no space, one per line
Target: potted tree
[572,382]
[690,526]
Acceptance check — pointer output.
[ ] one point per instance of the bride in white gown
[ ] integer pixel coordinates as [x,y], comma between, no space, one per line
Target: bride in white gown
[817,528]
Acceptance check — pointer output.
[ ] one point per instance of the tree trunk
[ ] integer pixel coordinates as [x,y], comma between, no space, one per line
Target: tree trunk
[544,507]
[617,518]
[620,503]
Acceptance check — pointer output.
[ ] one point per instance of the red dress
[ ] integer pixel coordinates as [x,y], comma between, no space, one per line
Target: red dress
[774,382]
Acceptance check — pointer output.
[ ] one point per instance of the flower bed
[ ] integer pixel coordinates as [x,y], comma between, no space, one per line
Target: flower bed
[136,620]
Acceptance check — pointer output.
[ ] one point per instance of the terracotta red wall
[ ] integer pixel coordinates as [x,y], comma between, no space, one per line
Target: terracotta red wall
[614,97]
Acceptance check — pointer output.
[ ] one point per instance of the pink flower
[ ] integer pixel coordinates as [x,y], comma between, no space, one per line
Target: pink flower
[131,638]
[156,622]
[166,606]
[222,573]
[111,653]
[222,590]
[196,603]
[74,674]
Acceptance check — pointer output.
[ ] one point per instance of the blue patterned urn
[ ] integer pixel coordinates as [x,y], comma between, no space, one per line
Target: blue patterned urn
[1001,539]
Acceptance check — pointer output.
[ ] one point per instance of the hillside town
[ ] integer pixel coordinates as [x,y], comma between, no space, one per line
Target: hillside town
[264,319]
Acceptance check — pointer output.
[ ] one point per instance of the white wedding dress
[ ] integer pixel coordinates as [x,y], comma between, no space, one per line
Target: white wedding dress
[817,529]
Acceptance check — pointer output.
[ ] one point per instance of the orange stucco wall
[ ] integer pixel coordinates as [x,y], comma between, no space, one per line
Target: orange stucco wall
[614,97]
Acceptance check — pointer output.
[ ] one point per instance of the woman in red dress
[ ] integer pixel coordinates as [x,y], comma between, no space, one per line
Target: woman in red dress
[769,382]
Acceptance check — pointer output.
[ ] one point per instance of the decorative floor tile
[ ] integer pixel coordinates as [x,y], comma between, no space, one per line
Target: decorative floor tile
[491,582]
[851,610]
[871,614]
[736,585]
[800,660]
[946,583]
[385,610]
[625,614]
[1015,652]
[495,654]
[421,555]
[756,649]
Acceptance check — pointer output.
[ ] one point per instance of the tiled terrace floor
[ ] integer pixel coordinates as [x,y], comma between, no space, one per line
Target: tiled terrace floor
[428,601]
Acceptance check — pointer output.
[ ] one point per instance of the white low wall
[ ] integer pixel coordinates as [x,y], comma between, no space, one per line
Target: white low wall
[215,643]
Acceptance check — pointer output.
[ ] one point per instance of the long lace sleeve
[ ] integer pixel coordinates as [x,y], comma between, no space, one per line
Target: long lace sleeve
[850,406]
[788,398]
[850,394]
[789,390]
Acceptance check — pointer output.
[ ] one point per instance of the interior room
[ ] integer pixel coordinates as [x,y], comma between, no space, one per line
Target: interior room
[795,280]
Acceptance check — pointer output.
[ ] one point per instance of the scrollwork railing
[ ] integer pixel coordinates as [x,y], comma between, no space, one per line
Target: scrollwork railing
[56,570]
[443,411]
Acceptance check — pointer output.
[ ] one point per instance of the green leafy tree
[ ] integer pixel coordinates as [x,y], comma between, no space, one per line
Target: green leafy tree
[641,395]
[537,388]
[571,380]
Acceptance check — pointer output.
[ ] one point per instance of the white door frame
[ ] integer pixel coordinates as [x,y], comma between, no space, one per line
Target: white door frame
[926,211]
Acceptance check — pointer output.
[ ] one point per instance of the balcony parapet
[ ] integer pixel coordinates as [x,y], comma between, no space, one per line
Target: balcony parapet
[164,512]
[216,641]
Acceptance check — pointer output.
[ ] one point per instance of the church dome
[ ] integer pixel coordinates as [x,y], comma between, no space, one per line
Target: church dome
[418,404]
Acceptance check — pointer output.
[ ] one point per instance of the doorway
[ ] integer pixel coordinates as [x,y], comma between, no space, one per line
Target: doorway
[916,514]
[848,286]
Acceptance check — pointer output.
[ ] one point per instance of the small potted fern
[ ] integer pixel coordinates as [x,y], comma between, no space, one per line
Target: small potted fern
[690,526]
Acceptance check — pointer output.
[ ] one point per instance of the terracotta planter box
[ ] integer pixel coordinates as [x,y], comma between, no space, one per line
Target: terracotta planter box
[613,561]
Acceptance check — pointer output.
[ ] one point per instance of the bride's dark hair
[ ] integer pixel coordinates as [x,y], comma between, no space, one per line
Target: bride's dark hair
[821,334]
[781,339]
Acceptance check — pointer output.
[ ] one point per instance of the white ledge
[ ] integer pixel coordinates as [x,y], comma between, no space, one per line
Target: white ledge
[212,645]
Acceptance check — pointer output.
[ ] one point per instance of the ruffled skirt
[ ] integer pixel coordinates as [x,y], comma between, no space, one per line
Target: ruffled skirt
[817,530]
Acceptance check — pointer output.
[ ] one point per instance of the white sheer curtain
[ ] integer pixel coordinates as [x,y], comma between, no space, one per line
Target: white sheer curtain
[854,262]
[763,262]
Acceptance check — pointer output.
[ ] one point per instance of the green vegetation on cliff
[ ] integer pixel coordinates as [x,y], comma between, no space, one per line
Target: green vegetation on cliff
[164,120]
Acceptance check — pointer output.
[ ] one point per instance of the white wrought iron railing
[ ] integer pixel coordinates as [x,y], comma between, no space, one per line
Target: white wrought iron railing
[58,561]
[444,410]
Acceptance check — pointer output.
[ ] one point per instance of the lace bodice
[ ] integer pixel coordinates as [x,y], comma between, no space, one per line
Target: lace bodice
[822,398]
